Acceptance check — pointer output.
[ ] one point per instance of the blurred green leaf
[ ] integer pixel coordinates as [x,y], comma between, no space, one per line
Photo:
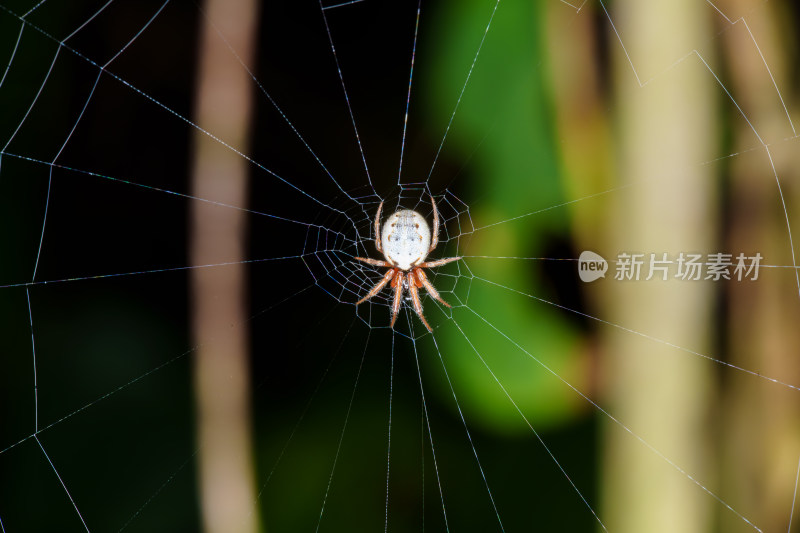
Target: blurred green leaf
[503,125]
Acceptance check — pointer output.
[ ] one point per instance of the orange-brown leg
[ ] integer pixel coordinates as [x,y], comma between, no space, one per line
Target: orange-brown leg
[378,228]
[422,281]
[397,283]
[412,288]
[374,262]
[435,234]
[438,262]
[378,286]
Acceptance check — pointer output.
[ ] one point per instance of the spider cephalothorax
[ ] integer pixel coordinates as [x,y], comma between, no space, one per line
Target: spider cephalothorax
[405,242]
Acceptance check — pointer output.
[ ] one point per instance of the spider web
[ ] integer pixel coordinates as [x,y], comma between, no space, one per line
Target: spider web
[488,423]
[328,254]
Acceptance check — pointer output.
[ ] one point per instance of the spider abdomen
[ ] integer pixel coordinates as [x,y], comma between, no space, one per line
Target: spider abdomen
[405,239]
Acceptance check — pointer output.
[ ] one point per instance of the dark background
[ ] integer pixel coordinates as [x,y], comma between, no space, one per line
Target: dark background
[112,354]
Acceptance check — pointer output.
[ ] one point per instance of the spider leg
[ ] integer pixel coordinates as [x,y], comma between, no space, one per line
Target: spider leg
[412,288]
[437,263]
[374,262]
[435,234]
[378,286]
[378,228]
[398,296]
[423,282]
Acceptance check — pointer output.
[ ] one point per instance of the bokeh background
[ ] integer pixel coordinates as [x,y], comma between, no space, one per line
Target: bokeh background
[613,127]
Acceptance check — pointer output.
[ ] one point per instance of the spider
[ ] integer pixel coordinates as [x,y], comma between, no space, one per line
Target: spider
[405,242]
